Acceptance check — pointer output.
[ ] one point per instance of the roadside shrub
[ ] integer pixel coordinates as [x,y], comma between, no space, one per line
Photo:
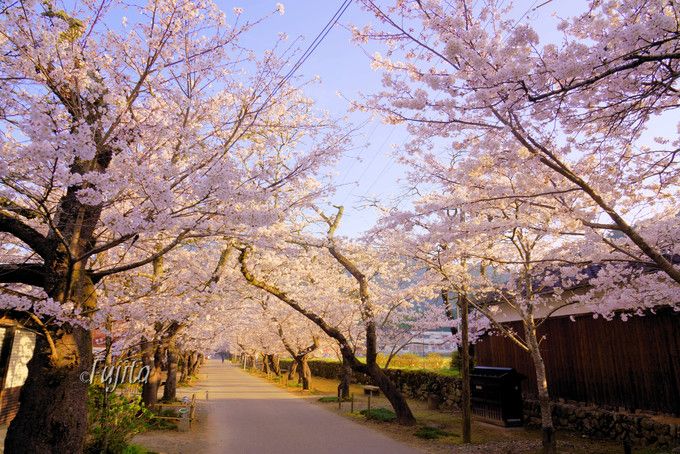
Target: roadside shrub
[379,414]
[113,420]
[135,449]
[327,399]
[431,433]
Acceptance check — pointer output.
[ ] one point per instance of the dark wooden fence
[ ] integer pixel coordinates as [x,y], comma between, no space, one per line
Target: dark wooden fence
[633,364]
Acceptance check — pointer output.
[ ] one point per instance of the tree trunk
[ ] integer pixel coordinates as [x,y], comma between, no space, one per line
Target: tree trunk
[466,402]
[393,394]
[345,379]
[274,364]
[193,363]
[404,415]
[293,369]
[52,415]
[304,373]
[391,391]
[170,390]
[549,441]
[151,356]
[183,368]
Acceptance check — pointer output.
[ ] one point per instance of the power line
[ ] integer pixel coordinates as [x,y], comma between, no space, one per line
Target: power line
[371,163]
[354,160]
[312,47]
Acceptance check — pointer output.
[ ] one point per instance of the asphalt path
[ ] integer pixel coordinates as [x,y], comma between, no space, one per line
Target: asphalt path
[247,415]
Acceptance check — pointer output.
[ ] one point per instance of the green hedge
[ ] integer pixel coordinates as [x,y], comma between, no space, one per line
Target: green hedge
[417,384]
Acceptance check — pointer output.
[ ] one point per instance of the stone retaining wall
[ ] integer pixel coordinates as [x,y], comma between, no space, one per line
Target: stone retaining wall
[642,430]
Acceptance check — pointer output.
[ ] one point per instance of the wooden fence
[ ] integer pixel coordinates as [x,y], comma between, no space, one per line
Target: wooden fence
[632,365]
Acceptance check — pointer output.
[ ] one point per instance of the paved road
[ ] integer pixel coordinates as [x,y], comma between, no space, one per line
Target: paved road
[247,415]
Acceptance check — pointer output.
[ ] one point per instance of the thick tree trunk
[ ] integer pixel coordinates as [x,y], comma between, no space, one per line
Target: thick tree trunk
[305,373]
[170,390]
[265,363]
[393,394]
[193,363]
[151,356]
[52,415]
[345,379]
[389,389]
[183,367]
[274,364]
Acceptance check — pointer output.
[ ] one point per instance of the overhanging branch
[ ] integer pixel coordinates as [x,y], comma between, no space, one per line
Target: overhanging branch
[34,239]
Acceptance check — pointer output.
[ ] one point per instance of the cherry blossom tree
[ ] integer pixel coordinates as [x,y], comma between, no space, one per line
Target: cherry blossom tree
[338,274]
[568,119]
[403,325]
[482,240]
[579,108]
[119,143]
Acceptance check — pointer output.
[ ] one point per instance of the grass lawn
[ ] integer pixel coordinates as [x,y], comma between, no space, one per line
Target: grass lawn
[439,431]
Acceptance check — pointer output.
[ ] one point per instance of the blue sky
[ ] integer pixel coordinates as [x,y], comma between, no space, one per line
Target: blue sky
[345,68]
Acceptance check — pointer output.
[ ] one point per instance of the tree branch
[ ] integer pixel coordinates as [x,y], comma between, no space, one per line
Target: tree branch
[23,273]
[34,239]
[97,276]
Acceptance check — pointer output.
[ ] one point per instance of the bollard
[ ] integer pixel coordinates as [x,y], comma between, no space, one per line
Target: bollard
[184,422]
[351,403]
[206,395]
[368,413]
[339,400]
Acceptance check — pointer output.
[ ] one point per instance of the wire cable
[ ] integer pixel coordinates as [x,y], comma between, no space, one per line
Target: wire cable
[310,49]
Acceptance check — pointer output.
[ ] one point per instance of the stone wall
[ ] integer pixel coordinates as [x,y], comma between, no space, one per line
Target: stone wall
[642,430]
